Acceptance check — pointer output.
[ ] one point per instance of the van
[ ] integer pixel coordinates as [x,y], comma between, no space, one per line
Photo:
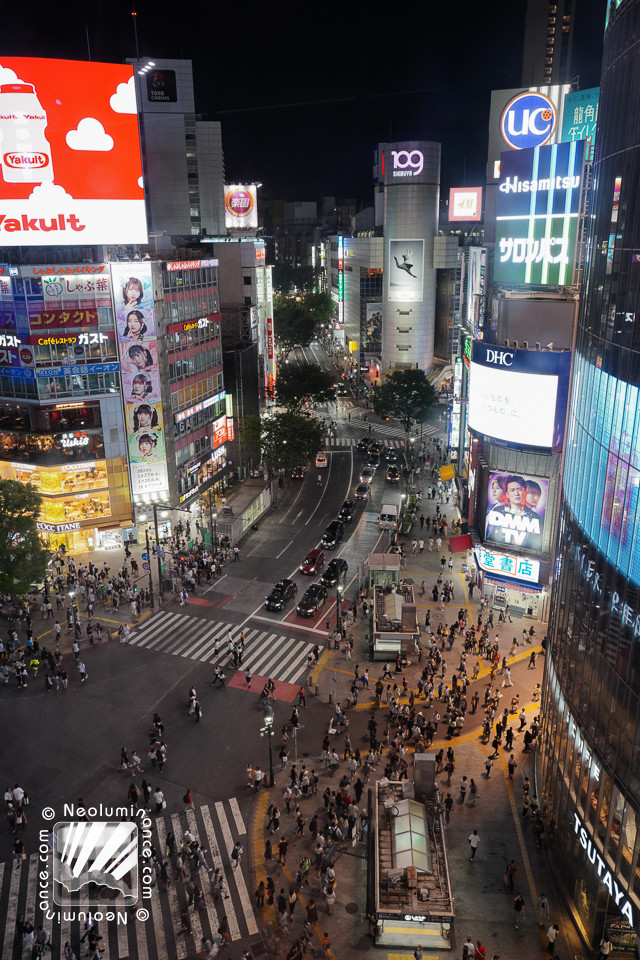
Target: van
[389,516]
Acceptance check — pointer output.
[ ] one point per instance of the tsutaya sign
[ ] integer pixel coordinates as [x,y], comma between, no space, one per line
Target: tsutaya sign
[587,843]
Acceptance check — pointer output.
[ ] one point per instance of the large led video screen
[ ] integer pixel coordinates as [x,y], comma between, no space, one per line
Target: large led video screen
[70,166]
[518,397]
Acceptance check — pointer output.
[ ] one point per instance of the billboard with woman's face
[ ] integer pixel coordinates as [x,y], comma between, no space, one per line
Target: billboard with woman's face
[138,347]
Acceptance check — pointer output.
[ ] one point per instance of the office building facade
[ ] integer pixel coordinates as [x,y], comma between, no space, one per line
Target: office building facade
[548,42]
[588,765]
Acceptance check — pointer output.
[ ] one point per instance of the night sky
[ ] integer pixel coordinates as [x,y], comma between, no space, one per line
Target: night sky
[302,105]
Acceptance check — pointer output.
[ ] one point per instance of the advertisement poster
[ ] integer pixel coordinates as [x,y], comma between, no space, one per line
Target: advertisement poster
[406,274]
[516,507]
[371,333]
[581,115]
[136,333]
[70,170]
[537,214]
[240,207]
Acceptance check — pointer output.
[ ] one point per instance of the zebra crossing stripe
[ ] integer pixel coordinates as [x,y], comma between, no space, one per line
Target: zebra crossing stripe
[237,818]
[161,951]
[141,941]
[173,639]
[196,926]
[206,642]
[227,905]
[237,873]
[212,913]
[295,667]
[174,906]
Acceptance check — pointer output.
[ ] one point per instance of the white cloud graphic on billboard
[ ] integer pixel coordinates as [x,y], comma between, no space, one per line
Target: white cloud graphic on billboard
[51,197]
[124,99]
[90,135]
[8,76]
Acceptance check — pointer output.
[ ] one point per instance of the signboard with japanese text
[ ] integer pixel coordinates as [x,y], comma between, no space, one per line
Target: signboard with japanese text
[581,115]
[240,206]
[70,170]
[537,214]
[508,565]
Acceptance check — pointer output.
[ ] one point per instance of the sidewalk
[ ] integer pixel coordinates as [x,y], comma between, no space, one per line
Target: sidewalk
[483,905]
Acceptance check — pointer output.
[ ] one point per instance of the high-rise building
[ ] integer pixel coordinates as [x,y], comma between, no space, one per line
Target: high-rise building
[182,153]
[589,761]
[410,173]
[548,42]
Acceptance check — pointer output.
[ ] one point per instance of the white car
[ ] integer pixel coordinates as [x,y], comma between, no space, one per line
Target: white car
[321,460]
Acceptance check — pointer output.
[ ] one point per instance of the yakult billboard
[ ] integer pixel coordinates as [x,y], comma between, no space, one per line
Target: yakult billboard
[69,154]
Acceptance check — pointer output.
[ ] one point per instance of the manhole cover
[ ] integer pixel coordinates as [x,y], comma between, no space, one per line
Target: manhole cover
[351,908]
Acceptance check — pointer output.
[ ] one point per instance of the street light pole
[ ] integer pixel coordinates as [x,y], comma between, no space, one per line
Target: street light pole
[339,589]
[267,731]
[158,549]
[146,533]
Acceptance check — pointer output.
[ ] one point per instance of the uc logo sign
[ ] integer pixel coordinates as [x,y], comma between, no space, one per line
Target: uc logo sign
[529,120]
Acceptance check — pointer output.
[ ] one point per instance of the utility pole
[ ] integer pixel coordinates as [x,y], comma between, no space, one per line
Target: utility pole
[159,551]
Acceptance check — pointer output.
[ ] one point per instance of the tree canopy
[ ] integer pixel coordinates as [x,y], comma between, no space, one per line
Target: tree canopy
[292,323]
[299,383]
[23,559]
[287,278]
[289,440]
[297,321]
[406,395]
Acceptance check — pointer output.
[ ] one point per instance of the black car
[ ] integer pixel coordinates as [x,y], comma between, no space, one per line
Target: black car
[283,591]
[312,600]
[374,460]
[332,535]
[393,474]
[347,511]
[364,444]
[336,570]
[298,473]
[391,455]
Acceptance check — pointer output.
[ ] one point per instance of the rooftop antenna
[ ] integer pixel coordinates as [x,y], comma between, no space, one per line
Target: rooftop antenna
[86,28]
[135,30]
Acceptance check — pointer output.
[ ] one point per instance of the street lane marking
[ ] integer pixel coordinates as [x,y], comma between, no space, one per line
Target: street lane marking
[237,874]
[237,817]
[226,906]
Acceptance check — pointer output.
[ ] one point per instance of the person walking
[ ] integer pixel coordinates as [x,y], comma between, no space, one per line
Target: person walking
[542,906]
[474,840]
[518,908]
[552,933]
[605,948]
[236,854]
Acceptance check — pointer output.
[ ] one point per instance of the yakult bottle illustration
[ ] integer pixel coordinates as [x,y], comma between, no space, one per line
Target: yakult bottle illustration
[24,150]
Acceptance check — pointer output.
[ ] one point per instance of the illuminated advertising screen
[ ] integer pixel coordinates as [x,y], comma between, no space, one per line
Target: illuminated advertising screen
[505,565]
[240,207]
[601,478]
[518,397]
[537,214]
[520,119]
[70,167]
[581,115]
[371,333]
[516,507]
[136,333]
[406,262]
[465,203]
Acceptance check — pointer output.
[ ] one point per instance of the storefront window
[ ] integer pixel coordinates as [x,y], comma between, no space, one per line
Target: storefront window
[83,506]
[52,448]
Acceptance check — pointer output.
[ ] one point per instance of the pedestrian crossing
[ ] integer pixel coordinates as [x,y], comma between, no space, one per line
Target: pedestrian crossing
[266,653]
[160,936]
[392,436]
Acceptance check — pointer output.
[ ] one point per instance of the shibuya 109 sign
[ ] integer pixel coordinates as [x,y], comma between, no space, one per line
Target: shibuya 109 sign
[70,166]
[538,208]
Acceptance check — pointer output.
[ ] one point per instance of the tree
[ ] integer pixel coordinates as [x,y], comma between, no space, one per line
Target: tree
[299,383]
[23,559]
[292,324]
[320,306]
[289,440]
[250,438]
[406,395]
[287,278]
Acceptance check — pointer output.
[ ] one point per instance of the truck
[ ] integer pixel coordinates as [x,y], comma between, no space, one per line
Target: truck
[391,511]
